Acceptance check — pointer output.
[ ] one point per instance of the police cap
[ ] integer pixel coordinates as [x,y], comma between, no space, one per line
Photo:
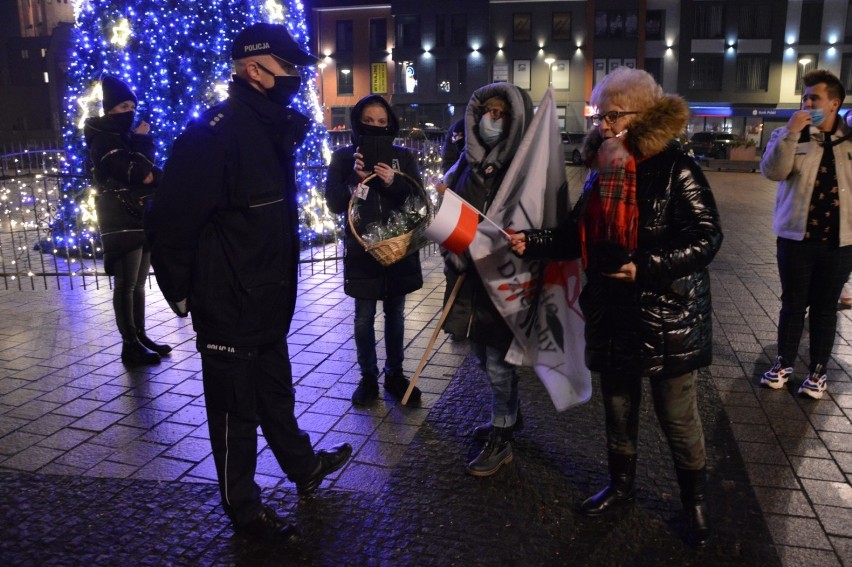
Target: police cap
[272,39]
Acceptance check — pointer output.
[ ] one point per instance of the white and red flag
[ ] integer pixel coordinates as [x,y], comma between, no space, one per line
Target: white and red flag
[454,225]
[537,298]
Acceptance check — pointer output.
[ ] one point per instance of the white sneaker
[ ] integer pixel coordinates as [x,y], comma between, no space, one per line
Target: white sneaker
[814,385]
[777,376]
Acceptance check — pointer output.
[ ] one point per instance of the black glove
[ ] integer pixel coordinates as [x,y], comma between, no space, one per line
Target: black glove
[606,257]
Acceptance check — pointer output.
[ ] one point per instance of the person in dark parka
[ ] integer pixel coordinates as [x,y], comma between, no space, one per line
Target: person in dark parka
[365,279]
[126,177]
[647,227]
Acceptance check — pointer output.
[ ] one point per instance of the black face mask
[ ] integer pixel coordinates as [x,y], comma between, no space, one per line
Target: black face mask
[284,90]
[124,120]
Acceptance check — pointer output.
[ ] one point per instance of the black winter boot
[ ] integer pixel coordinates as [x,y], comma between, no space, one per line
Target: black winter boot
[367,391]
[496,453]
[692,489]
[619,491]
[134,354]
[162,350]
[396,385]
[481,432]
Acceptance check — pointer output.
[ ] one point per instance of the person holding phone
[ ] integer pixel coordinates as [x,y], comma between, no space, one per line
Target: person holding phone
[374,126]
[126,177]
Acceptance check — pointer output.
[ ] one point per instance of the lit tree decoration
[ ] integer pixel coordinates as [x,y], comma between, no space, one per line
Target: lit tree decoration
[176,58]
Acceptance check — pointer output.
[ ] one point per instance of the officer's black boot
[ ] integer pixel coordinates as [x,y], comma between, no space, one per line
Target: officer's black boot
[692,490]
[134,354]
[162,350]
[619,491]
[496,453]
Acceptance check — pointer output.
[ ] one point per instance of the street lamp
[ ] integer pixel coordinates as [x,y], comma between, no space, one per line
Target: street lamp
[550,61]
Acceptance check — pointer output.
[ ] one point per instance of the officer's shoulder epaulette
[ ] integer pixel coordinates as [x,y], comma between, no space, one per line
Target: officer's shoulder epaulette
[215,117]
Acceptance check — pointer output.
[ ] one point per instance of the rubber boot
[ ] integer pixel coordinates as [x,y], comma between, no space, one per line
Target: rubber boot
[619,491]
[134,354]
[162,350]
[496,453]
[692,495]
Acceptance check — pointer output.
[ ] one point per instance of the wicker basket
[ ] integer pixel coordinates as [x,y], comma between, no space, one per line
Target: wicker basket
[394,249]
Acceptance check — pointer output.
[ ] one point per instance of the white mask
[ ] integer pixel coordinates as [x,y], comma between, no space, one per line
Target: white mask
[490,130]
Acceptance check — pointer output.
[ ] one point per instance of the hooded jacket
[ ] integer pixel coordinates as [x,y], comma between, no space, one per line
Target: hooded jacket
[660,325]
[476,177]
[121,160]
[364,277]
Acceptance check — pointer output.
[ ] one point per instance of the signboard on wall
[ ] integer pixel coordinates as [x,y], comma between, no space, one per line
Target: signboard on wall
[379,78]
[501,73]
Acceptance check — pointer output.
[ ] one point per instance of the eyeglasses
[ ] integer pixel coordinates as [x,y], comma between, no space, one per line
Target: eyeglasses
[611,117]
[496,113]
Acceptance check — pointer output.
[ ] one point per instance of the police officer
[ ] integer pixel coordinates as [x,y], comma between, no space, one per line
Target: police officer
[223,232]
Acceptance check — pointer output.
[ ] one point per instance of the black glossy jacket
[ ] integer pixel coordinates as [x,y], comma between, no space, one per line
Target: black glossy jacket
[661,324]
[223,227]
[363,276]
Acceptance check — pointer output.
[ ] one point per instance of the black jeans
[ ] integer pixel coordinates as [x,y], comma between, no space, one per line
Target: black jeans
[676,406]
[812,277]
[128,294]
[244,388]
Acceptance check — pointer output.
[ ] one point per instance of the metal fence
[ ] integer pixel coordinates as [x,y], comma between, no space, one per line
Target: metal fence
[33,189]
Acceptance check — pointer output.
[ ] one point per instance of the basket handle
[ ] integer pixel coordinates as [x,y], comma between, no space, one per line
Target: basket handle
[370,178]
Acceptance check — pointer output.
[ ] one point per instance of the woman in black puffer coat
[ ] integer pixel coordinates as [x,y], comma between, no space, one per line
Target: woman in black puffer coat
[365,279]
[647,227]
[125,175]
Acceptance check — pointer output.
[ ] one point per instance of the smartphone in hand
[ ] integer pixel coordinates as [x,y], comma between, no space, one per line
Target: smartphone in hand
[376,149]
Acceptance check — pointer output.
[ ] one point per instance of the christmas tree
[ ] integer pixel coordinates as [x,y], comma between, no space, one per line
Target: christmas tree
[175,55]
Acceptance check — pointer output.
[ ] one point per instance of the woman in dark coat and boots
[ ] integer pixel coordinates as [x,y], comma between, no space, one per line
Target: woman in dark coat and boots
[646,227]
[496,119]
[365,279]
[125,175]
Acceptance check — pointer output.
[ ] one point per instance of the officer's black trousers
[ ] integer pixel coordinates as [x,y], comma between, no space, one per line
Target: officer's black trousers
[244,388]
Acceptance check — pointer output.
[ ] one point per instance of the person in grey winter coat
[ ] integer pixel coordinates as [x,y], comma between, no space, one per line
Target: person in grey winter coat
[126,177]
[647,227]
[365,279]
[496,118]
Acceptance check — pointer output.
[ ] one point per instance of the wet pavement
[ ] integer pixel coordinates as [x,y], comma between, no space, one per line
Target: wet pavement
[102,466]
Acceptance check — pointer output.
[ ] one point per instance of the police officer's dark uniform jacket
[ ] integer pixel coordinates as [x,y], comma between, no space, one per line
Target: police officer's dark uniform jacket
[364,276]
[234,252]
[121,160]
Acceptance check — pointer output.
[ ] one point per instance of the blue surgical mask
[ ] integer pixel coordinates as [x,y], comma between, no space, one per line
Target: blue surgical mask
[490,130]
[817,116]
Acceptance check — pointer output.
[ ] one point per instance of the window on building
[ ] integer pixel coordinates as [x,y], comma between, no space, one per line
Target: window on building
[345,79]
[709,22]
[443,75]
[654,65]
[406,77]
[846,72]
[407,31]
[338,116]
[378,34]
[25,54]
[705,73]
[461,75]
[848,35]
[807,62]
[560,29]
[755,21]
[810,27]
[458,30]
[344,43]
[440,30]
[752,73]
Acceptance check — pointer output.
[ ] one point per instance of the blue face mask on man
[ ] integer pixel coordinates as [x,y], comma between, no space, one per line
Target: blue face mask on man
[490,129]
[817,116]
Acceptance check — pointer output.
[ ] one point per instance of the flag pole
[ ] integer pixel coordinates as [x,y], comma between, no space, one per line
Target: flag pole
[425,358]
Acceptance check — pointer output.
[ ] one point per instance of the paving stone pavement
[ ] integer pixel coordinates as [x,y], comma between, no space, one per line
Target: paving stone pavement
[102,466]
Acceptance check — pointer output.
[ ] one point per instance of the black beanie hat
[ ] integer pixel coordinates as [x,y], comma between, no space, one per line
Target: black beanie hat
[116,91]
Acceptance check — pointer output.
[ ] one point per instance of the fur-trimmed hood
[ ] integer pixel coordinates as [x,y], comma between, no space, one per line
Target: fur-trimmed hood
[650,132]
[478,155]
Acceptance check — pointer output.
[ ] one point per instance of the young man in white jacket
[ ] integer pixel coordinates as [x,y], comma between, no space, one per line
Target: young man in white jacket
[811,158]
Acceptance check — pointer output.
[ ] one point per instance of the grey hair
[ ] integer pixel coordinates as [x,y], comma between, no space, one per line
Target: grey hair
[631,89]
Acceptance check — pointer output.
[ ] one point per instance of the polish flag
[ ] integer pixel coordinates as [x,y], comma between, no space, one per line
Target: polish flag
[454,226]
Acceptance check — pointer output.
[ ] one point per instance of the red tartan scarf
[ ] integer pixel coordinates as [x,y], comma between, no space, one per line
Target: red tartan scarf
[612,213]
